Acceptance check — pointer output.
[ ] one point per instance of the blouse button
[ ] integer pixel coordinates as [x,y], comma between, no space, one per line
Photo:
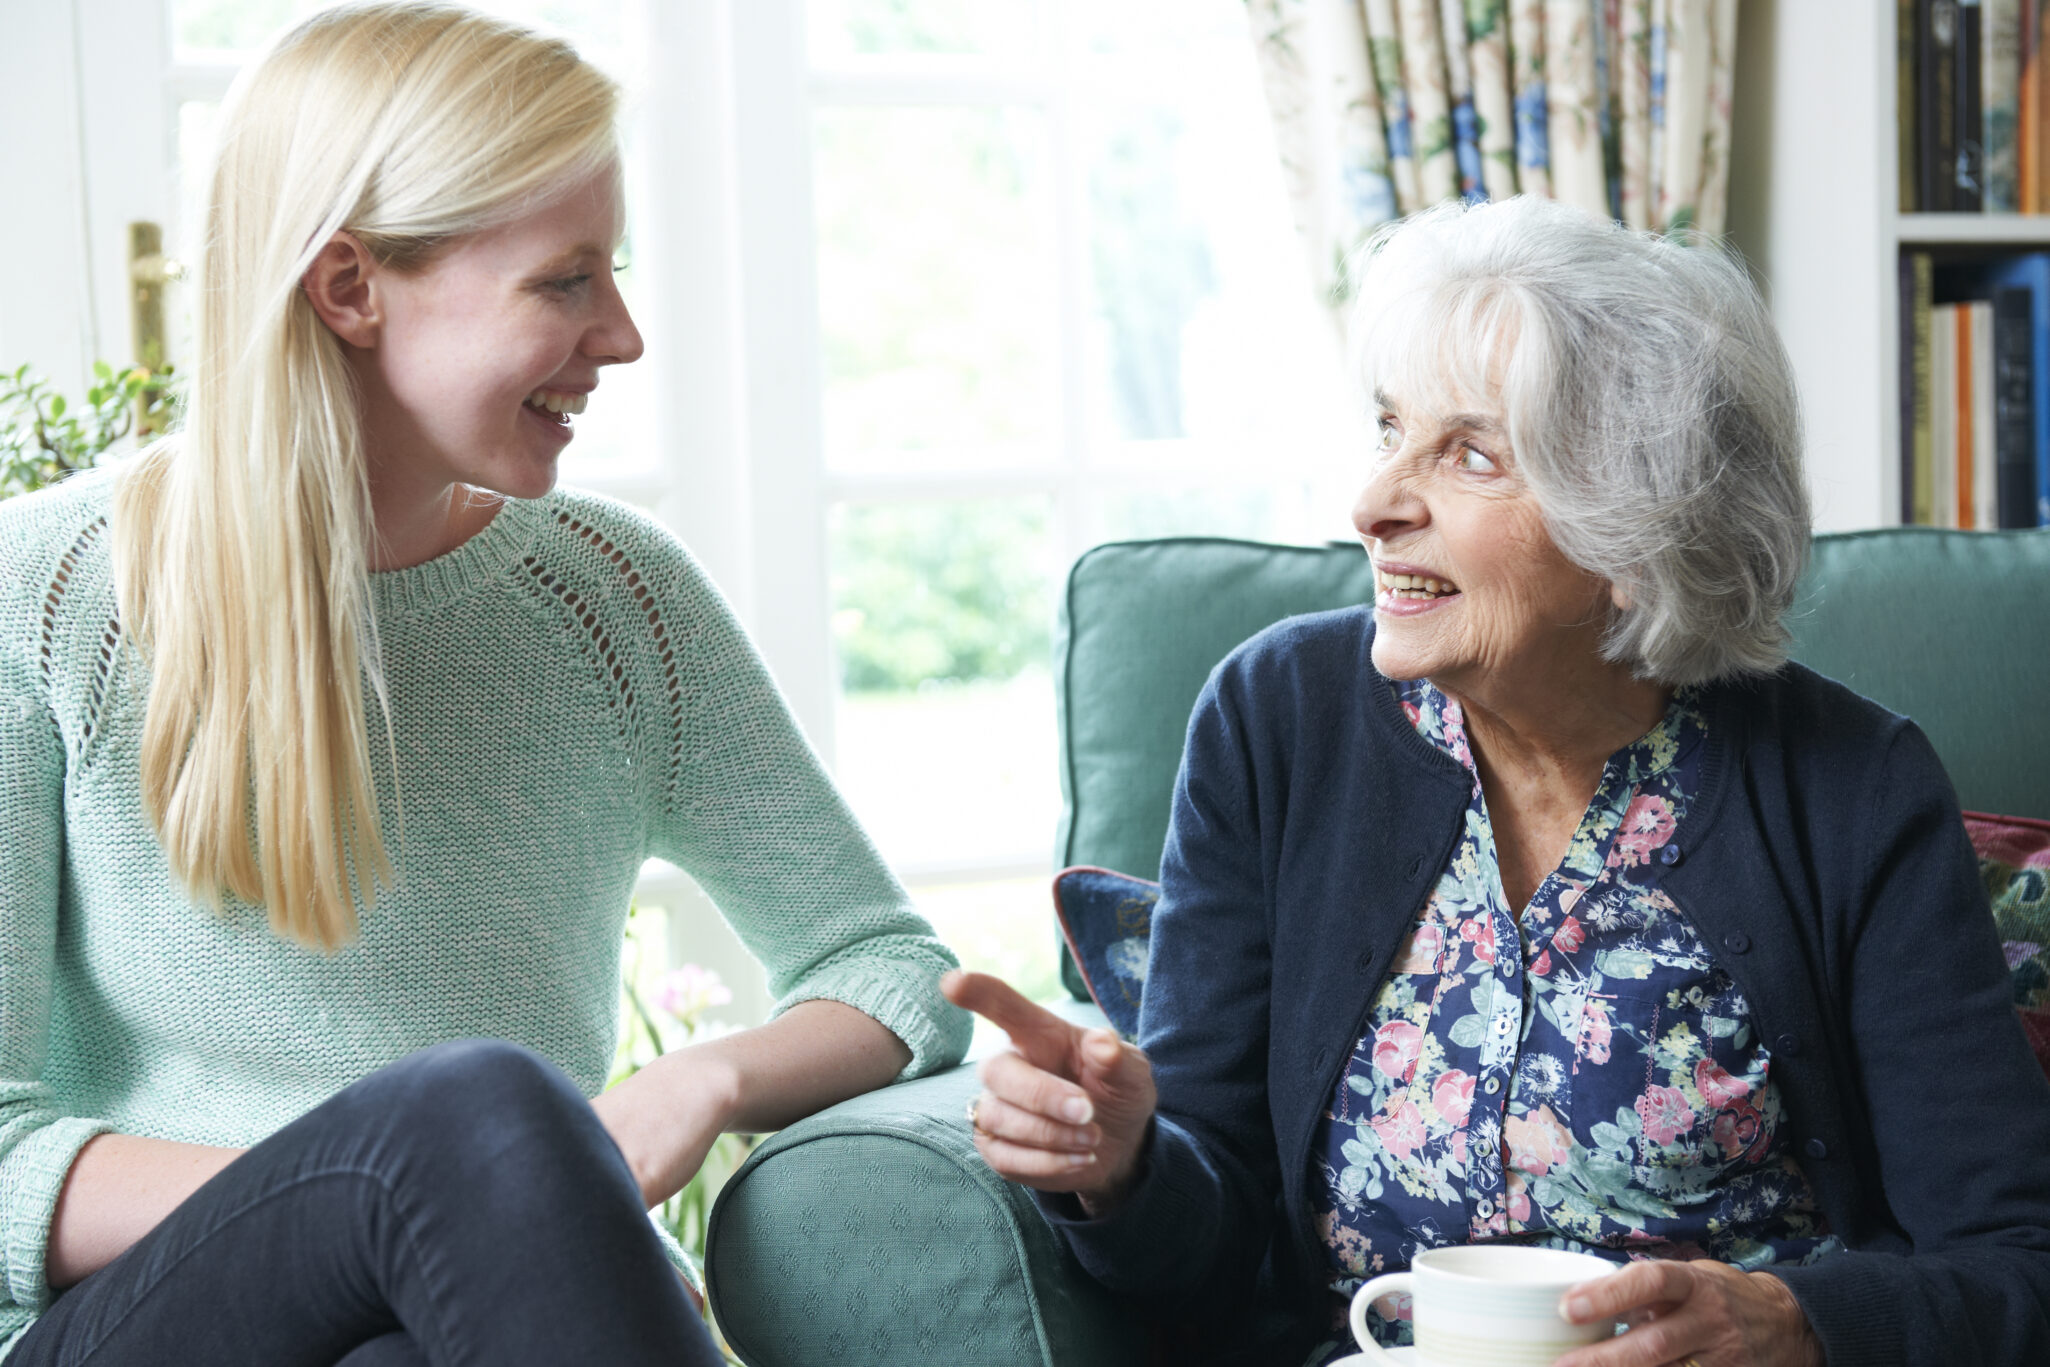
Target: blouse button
[1790,1045]
[1670,855]
[1815,1148]
[1737,942]
[1502,1024]
[1492,1086]
[1484,1207]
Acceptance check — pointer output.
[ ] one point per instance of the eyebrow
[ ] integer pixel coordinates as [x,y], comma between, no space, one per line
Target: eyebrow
[566,259]
[1471,422]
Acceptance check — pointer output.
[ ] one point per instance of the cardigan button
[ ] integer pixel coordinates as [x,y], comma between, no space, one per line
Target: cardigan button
[1670,855]
[1790,1045]
[1737,942]
[1367,959]
[1416,866]
[1815,1148]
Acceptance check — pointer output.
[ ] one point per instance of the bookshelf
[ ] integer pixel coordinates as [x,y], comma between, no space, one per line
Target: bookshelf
[1814,206]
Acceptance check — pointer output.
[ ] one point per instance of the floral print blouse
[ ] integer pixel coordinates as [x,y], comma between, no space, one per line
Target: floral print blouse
[1585,1077]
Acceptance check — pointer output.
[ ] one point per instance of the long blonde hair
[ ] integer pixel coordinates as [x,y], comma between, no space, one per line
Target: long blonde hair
[240,544]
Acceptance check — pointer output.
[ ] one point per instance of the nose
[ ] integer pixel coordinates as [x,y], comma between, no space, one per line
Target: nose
[1388,505]
[613,339]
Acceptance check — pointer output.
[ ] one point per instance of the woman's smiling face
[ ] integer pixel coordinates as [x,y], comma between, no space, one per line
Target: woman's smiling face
[1470,591]
[483,354]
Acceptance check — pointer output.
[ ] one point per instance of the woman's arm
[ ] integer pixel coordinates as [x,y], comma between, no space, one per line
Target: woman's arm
[742,803]
[119,1188]
[1955,1265]
[666,1116]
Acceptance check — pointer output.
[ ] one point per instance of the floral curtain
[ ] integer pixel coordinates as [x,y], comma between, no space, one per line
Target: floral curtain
[1382,107]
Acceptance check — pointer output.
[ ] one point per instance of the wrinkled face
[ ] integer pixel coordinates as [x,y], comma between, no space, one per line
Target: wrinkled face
[1470,592]
[486,354]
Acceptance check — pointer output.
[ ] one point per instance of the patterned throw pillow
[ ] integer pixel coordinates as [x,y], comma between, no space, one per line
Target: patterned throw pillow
[2014,862]
[1105,918]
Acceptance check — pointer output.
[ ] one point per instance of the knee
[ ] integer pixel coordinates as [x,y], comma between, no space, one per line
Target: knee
[489,1096]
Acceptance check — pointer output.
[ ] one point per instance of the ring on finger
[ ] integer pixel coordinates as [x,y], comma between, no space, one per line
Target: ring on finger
[975,1123]
[1689,1361]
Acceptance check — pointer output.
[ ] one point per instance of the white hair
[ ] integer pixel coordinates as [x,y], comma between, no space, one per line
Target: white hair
[1648,401]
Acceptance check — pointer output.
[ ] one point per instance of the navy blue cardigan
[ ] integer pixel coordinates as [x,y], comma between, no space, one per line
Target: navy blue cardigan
[1825,862]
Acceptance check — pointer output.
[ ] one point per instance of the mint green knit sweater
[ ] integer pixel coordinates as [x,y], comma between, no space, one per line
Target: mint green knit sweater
[570,696]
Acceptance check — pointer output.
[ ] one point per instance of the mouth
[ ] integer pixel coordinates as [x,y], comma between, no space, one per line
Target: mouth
[556,405]
[1411,587]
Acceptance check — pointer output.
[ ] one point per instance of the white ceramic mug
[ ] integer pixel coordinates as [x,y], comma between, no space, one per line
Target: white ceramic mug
[1486,1305]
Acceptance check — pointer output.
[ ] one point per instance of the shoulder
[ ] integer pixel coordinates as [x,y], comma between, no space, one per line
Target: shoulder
[622,549]
[1815,727]
[1311,651]
[38,530]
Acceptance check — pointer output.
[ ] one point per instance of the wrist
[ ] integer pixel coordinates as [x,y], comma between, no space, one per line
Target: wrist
[1803,1345]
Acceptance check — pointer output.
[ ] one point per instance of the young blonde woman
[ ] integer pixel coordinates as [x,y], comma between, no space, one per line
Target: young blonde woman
[332,736]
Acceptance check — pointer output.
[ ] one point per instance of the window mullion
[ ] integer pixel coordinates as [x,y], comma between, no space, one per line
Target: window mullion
[1072,530]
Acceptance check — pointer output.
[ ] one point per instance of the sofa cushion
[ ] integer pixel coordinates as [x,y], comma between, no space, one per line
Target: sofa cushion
[2014,863]
[1106,919]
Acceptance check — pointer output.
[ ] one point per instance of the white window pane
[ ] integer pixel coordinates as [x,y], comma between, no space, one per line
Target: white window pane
[1203,321]
[857,28]
[599,28]
[936,288]
[1005,927]
[942,618]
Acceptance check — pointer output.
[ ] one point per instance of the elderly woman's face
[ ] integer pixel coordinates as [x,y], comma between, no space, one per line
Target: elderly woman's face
[1470,592]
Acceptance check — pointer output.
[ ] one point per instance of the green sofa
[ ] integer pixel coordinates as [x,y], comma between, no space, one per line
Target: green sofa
[872,1233]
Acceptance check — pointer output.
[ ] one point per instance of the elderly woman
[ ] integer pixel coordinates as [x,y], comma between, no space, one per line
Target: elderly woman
[1544,901]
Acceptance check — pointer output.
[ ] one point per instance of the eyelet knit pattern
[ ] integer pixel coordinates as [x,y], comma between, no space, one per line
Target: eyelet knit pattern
[569,696]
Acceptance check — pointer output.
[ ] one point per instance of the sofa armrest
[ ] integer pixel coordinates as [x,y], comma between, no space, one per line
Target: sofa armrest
[873,1233]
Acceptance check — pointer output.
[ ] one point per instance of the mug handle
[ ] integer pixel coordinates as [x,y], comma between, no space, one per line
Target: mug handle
[1364,1297]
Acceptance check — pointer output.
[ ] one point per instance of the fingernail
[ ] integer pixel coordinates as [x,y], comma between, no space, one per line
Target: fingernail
[1078,1109]
[1103,1049]
[1081,1160]
[1578,1308]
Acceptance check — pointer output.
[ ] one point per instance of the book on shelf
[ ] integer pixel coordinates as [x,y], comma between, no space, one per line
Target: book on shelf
[1967,195]
[1975,431]
[1972,81]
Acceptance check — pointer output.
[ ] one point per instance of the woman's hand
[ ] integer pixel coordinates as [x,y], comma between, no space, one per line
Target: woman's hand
[1703,1313]
[665,1119]
[1064,1109]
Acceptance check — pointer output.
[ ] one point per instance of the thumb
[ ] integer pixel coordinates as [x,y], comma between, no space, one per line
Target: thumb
[1114,1070]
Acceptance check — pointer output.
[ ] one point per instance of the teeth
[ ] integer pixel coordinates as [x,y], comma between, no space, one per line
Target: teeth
[1416,585]
[556,402]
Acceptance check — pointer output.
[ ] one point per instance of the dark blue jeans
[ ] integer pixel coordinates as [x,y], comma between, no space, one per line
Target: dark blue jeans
[462,1206]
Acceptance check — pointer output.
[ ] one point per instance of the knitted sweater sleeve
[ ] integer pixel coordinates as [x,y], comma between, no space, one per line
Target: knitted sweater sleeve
[748,810]
[37,1143]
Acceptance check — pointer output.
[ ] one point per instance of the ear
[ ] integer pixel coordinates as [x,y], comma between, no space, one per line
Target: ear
[1620,597]
[340,286]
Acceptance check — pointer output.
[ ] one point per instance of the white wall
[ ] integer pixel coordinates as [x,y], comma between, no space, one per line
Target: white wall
[1812,180]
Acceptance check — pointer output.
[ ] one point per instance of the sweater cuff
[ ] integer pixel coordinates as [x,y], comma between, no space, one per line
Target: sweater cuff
[1853,1303]
[31,1176]
[903,997]
[1145,1244]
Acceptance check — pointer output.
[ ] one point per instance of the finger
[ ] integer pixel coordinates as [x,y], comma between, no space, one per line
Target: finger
[1045,1169]
[1113,1068]
[1653,1282]
[1669,1338]
[1001,1120]
[1012,1077]
[1038,1033]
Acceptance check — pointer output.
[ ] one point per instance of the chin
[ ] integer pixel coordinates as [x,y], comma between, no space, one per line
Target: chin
[1394,662]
